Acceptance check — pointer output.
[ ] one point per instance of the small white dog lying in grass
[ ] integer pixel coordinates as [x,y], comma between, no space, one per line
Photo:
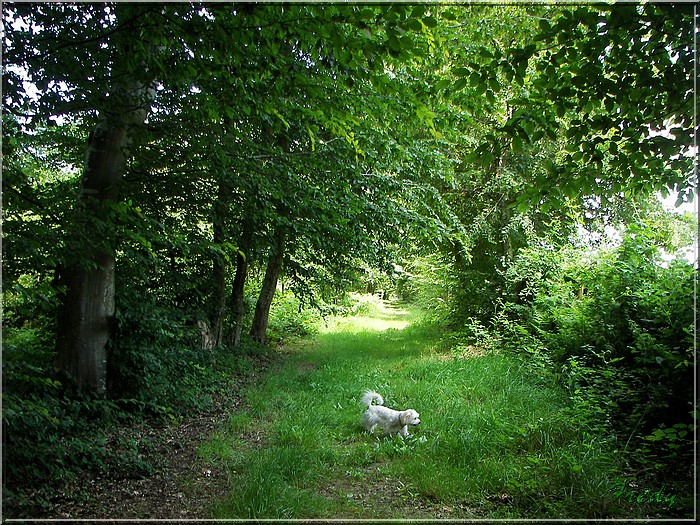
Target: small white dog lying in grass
[391,421]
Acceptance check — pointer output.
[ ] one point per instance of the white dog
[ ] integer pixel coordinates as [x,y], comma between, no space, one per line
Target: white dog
[391,421]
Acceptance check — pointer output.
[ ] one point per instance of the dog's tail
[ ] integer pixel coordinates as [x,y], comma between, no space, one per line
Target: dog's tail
[369,396]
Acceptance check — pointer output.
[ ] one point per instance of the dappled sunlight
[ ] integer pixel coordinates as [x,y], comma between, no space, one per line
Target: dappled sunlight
[382,316]
[357,324]
[379,325]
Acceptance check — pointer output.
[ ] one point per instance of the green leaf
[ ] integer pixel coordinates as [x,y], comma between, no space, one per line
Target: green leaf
[517,144]
[394,43]
[418,11]
[367,14]
[442,84]
[449,15]
[486,158]
[472,157]
[572,132]
[413,24]
[430,22]
[460,84]
[550,167]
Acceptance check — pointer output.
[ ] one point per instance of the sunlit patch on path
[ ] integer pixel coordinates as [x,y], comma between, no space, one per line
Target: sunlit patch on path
[385,316]
[388,318]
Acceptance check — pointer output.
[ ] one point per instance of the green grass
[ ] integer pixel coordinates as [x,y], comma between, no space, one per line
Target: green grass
[495,441]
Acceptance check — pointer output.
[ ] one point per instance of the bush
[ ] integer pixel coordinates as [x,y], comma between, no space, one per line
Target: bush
[50,433]
[616,327]
[153,358]
[289,317]
[428,283]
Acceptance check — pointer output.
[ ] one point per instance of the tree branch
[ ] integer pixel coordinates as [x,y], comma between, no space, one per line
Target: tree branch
[43,210]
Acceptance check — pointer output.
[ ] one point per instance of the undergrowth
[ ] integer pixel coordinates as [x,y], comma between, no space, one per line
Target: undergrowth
[53,434]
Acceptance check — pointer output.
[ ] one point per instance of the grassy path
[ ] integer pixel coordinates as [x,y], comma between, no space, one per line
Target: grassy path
[493,440]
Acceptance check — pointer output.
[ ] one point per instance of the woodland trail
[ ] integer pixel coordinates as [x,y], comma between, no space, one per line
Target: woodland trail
[288,443]
[296,449]
[321,381]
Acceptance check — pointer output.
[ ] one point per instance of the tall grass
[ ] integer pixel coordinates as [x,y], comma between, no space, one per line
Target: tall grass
[496,440]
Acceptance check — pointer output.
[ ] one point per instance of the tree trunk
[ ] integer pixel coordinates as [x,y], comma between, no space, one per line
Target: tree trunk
[86,316]
[506,240]
[85,324]
[262,308]
[238,297]
[219,268]
[218,302]
[239,280]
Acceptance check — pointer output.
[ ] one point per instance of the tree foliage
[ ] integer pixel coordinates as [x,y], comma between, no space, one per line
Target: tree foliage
[586,74]
[445,147]
[618,324]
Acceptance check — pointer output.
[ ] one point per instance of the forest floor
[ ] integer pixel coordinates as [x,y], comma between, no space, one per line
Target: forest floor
[182,485]
[286,441]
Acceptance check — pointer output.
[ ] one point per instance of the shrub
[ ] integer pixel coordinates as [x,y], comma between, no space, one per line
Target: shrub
[616,327]
[289,317]
[51,434]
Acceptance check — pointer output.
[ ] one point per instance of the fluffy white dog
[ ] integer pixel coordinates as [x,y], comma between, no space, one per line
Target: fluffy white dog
[391,421]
